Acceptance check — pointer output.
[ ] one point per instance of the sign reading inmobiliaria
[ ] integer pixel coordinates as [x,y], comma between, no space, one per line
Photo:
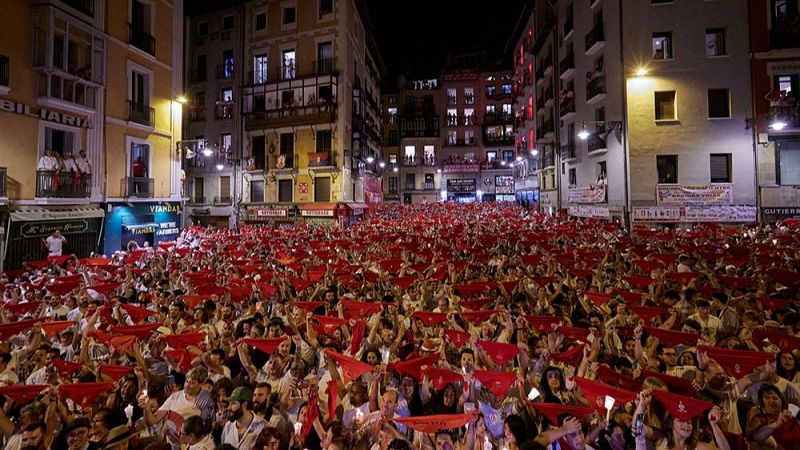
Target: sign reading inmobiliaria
[588,194]
[697,195]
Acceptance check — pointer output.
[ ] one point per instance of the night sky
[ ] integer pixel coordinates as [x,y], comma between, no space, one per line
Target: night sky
[414,36]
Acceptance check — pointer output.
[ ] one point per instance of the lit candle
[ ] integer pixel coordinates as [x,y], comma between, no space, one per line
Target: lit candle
[533,394]
[609,404]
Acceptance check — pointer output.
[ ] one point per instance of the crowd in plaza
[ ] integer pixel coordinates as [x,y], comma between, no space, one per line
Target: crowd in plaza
[440,326]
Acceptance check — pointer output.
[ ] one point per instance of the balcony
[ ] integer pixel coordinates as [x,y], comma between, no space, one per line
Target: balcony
[419,127]
[141,113]
[52,184]
[196,200]
[548,128]
[469,99]
[566,106]
[568,27]
[314,68]
[498,119]
[429,186]
[459,142]
[548,158]
[567,151]
[3,192]
[222,201]
[197,115]
[288,116]
[452,100]
[596,143]
[539,75]
[595,88]
[225,71]
[84,6]
[223,111]
[548,96]
[595,40]
[409,161]
[540,103]
[459,121]
[137,187]
[141,39]
[503,139]
[566,68]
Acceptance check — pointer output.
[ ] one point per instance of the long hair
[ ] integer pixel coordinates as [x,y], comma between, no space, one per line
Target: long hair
[691,441]
[547,394]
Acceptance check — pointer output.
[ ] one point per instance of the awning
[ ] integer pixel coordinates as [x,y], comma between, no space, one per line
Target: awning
[357,206]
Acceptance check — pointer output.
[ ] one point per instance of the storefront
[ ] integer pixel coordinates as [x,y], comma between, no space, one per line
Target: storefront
[28,227]
[353,212]
[131,225]
[772,215]
[322,214]
[273,216]
[462,190]
[209,215]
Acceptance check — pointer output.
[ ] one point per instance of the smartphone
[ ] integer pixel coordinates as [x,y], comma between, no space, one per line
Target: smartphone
[171,379]
[638,427]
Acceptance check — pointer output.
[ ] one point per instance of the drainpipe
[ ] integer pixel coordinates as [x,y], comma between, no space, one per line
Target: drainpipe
[754,126]
[626,214]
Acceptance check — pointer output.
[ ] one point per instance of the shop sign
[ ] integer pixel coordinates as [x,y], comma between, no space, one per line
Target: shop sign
[41,229]
[783,68]
[201,212]
[461,185]
[317,213]
[591,212]
[45,114]
[270,213]
[461,168]
[167,229]
[694,214]
[775,214]
[587,194]
[317,222]
[696,195]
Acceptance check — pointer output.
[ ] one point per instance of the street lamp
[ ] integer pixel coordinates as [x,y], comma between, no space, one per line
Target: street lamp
[395,169]
[584,133]
[611,125]
[381,164]
[778,125]
[370,159]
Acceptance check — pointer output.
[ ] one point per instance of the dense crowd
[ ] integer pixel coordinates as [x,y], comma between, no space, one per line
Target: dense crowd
[440,326]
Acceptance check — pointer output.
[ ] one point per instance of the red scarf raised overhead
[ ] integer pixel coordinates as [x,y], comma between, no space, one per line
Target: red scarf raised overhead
[434,423]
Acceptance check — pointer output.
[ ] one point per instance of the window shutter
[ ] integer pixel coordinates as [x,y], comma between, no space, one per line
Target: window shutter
[719,169]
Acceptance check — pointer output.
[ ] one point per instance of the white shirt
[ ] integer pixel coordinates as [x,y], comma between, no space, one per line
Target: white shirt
[69,165]
[47,163]
[83,164]
[246,440]
[207,443]
[55,244]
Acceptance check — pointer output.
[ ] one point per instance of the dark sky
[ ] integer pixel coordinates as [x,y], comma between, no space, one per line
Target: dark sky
[414,36]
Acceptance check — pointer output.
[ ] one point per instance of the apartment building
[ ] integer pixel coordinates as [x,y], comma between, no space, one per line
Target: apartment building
[310,101]
[652,132]
[90,122]
[213,160]
[775,123]
[391,146]
[420,142]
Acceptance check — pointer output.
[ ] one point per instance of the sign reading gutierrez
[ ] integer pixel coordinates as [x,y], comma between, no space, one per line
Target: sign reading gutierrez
[698,195]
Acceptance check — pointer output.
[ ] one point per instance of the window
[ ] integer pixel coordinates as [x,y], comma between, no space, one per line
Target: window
[322,189]
[573,177]
[224,189]
[225,142]
[662,46]
[507,88]
[667,168]
[393,185]
[257,191]
[452,137]
[288,64]
[392,138]
[490,109]
[411,181]
[393,158]
[139,160]
[202,28]
[324,58]
[227,23]
[491,155]
[201,68]
[720,168]
[140,35]
[258,149]
[719,104]
[490,90]
[665,105]
[198,190]
[469,136]
[508,155]
[261,21]
[139,110]
[323,140]
[787,83]
[602,173]
[451,96]
[260,69]
[226,95]
[325,8]
[787,157]
[289,15]
[507,108]
[4,69]
[285,188]
[60,141]
[429,153]
[715,42]
[409,152]
[469,96]
[227,64]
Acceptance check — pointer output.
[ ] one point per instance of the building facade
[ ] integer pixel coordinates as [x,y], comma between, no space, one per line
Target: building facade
[651,132]
[391,145]
[89,123]
[775,123]
[310,101]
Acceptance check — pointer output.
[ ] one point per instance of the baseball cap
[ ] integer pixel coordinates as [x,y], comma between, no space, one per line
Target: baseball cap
[241,394]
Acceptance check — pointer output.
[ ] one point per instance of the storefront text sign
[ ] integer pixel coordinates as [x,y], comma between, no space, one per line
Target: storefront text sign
[587,194]
[698,195]
[271,213]
[694,214]
[588,211]
[41,229]
[458,185]
[44,114]
[317,213]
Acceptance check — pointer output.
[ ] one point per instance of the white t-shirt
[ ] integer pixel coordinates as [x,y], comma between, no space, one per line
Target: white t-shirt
[245,440]
[55,244]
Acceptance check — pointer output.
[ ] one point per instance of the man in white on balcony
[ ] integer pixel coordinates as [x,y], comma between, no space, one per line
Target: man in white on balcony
[69,164]
[47,161]
[84,165]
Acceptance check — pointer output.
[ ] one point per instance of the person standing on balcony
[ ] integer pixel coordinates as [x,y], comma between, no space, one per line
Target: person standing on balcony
[55,243]
[47,161]
[84,165]
[139,172]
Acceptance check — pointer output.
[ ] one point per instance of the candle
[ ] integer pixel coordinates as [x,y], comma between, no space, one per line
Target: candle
[533,394]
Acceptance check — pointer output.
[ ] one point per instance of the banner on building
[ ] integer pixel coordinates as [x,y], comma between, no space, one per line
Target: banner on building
[591,212]
[697,195]
[319,159]
[587,194]
[694,214]
[461,168]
